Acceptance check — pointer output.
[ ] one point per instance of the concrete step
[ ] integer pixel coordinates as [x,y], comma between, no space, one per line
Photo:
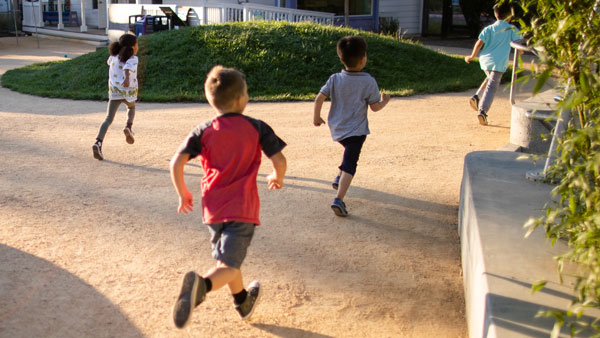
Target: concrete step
[499,264]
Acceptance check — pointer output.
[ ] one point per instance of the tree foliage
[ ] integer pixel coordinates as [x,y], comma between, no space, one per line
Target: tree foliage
[566,33]
[473,10]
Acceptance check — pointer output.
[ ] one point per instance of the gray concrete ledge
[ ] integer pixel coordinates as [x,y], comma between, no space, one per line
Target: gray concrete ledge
[499,264]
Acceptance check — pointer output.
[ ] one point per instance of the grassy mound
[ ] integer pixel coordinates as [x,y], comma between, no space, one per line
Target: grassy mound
[281,61]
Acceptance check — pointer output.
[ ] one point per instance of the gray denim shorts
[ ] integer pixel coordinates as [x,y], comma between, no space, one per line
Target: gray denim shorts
[230,242]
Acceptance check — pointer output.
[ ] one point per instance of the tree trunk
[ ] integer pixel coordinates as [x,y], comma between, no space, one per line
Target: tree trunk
[347,13]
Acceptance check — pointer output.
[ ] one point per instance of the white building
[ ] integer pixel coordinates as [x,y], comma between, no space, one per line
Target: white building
[100,18]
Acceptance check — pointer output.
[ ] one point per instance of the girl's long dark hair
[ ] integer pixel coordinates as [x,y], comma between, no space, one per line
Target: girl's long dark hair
[123,47]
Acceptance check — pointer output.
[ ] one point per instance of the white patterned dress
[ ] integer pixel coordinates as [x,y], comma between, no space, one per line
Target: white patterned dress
[116,77]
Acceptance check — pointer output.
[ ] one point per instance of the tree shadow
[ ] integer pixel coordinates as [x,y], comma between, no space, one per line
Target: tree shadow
[369,194]
[519,316]
[547,290]
[40,299]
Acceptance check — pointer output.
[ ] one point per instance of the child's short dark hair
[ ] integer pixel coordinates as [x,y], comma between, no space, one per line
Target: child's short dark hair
[351,49]
[503,9]
[224,85]
[123,47]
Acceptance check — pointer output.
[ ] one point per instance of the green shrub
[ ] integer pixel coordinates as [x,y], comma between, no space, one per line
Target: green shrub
[282,62]
[568,33]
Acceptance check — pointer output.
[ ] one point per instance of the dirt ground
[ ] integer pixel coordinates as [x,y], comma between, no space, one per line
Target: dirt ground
[97,249]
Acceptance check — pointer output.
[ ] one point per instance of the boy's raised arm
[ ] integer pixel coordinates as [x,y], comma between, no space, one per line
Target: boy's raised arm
[275,179]
[377,106]
[317,120]
[185,197]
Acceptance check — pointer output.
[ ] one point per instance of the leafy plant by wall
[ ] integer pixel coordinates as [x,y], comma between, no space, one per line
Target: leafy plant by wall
[567,31]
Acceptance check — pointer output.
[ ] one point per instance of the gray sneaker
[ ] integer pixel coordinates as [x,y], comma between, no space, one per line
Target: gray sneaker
[482,117]
[97,149]
[129,135]
[193,292]
[247,307]
[474,102]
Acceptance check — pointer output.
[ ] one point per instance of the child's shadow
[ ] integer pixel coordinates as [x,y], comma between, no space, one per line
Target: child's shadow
[149,169]
[288,332]
[497,126]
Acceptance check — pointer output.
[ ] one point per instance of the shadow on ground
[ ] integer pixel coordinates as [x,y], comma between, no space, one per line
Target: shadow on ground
[40,299]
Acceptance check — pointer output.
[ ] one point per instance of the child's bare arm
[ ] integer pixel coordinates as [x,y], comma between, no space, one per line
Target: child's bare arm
[185,197]
[275,179]
[317,120]
[383,101]
[475,51]
[126,82]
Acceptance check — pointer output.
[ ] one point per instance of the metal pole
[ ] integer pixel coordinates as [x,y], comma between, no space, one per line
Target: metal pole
[15,21]
[35,22]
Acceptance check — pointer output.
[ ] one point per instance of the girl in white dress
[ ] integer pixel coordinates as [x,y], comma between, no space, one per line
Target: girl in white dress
[122,87]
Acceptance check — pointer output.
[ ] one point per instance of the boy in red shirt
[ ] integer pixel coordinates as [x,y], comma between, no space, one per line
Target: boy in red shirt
[229,147]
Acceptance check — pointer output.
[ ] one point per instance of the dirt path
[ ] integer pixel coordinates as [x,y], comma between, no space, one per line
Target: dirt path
[91,248]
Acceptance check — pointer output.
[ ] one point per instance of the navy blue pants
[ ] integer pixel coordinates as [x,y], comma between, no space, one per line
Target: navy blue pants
[352,147]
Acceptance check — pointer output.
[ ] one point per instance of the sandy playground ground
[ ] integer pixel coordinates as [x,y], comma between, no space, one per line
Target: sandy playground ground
[96,249]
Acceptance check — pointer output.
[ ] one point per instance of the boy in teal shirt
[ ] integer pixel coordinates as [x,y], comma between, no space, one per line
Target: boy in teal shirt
[494,44]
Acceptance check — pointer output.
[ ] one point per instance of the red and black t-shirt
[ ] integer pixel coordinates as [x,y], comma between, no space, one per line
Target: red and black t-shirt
[229,147]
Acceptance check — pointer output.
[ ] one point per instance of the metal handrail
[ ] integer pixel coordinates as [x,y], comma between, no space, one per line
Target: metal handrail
[517,47]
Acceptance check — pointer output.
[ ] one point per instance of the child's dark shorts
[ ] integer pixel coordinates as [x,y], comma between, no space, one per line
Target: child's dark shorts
[230,242]
[352,147]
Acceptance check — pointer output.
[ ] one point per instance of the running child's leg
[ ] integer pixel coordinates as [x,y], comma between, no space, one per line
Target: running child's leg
[492,84]
[130,113]
[352,148]
[474,100]
[230,243]
[111,110]
[128,131]
[222,275]
[345,181]
[481,87]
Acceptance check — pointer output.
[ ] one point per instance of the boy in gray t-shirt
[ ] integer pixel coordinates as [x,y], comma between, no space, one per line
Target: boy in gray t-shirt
[352,92]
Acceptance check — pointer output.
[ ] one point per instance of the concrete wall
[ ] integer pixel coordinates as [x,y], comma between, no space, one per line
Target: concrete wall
[409,13]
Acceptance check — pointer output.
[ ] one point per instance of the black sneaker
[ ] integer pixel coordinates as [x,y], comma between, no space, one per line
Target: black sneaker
[97,149]
[339,207]
[482,117]
[474,102]
[192,294]
[129,135]
[336,182]
[247,307]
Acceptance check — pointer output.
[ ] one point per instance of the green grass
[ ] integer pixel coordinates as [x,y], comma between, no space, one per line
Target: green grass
[282,62]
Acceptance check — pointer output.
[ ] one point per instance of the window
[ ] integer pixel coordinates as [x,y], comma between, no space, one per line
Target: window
[357,7]
[94,4]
